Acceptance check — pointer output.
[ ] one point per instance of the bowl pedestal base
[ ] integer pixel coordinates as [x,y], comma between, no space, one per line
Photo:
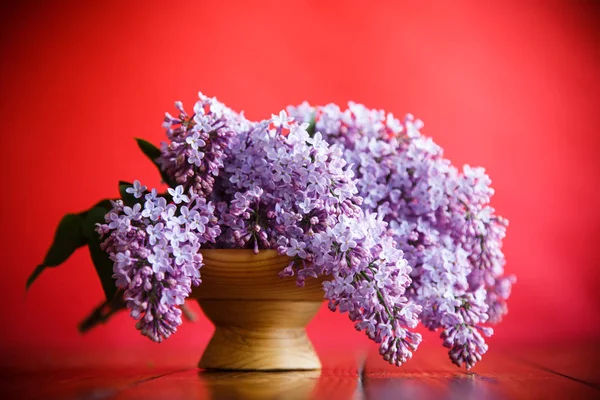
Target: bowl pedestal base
[259,335]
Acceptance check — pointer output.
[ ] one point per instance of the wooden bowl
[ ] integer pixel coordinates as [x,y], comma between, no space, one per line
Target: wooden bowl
[260,318]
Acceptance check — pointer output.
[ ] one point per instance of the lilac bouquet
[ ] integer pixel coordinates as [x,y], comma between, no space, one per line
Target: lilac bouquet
[355,197]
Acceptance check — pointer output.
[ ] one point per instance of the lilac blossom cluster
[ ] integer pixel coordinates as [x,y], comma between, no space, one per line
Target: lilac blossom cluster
[194,154]
[154,246]
[440,218]
[279,188]
[283,189]
[273,186]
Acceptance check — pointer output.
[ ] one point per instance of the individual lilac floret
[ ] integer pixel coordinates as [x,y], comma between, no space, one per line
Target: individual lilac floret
[194,153]
[154,246]
[283,189]
[439,216]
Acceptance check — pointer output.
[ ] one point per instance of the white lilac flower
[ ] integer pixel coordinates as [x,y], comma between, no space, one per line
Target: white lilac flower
[178,195]
[281,120]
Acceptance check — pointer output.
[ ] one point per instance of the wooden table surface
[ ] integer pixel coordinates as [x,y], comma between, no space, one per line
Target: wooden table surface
[516,372]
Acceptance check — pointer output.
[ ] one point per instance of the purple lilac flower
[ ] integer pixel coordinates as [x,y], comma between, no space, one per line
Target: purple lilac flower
[439,216]
[137,190]
[193,155]
[280,188]
[154,246]
[277,186]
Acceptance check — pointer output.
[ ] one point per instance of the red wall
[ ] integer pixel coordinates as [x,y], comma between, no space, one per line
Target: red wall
[513,87]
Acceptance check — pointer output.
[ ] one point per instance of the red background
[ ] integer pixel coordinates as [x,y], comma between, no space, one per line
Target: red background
[512,86]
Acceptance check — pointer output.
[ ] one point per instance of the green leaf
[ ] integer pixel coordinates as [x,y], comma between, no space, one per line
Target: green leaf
[128,198]
[93,216]
[102,262]
[102,203]
[312,127]
[102,313]
[104,268]
[152,152]
[68,238]
[106,204]
[148,149]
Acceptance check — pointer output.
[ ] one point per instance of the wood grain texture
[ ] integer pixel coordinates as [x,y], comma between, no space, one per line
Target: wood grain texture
[515,372]
[242,275]
[502,374]
[218,385]
[260,335]
[260,318]
[577,361]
